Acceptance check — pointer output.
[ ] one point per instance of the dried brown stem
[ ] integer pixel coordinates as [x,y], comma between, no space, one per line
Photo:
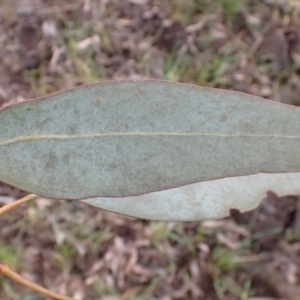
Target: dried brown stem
[14,204]
[5,270]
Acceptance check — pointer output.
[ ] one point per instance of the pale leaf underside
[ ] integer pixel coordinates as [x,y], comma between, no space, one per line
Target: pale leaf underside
[203,200]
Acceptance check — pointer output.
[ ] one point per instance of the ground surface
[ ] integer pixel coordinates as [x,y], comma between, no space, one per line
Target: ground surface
[251,46]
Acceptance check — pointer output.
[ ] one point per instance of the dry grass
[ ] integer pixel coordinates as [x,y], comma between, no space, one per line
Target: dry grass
[250,46]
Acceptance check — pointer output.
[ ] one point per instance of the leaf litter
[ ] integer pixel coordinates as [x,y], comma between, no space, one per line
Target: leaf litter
[90,254]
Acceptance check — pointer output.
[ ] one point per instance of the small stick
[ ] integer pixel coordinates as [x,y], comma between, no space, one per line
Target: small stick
[5,270]
[14,204]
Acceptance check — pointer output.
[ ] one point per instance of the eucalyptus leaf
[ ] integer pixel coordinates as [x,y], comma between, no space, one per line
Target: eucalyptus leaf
[203,200]
[121,139]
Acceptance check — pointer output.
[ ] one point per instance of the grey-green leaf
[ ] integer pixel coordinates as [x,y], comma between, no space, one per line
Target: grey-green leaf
[120,139]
